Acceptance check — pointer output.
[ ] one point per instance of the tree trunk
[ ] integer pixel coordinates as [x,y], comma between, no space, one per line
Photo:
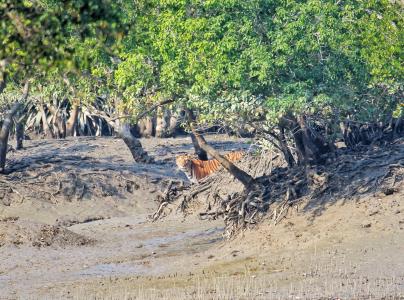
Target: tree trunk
[201,153]
[124,131]
[172,127]
[19,131]
[315,145]
[311,151]
[285,149]
[397,127]
[5,128]
[48,132]
[62,128]
[134,145]
[58,122]
[201,143]
[310,146]
[71,125]
[141,125]
[3,74]
[279,141]
[161,123]
[4,133]
[148,132]
[239,174]
[300,149]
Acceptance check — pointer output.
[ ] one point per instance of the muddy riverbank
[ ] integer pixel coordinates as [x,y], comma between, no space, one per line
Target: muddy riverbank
[74,224]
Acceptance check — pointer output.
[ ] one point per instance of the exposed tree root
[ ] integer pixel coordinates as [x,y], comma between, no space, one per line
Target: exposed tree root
[350,175]
[50,180]
[172,191]
[244,209]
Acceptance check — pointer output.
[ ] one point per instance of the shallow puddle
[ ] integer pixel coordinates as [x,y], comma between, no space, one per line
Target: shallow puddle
[113,270]
[177,244]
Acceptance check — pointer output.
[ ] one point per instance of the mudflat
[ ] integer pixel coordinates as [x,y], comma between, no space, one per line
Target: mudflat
[75,224]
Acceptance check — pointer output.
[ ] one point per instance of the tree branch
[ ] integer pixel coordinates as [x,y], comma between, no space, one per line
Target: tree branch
[138,117]
[239,174]
[155,106]
[3,74]
[5,129]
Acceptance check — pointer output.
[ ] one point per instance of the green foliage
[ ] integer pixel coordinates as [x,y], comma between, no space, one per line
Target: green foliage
[49,40]
[234,59]
[231,60]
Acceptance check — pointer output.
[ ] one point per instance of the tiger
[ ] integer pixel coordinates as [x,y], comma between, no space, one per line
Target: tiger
[196,169]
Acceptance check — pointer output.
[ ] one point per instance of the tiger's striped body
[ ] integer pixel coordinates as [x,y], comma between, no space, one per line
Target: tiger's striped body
[197,169]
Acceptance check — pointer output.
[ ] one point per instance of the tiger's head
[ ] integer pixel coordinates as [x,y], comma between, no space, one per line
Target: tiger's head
[184,164]
[183,160]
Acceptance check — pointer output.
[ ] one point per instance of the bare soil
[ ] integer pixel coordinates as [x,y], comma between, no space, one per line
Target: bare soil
[75,224]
